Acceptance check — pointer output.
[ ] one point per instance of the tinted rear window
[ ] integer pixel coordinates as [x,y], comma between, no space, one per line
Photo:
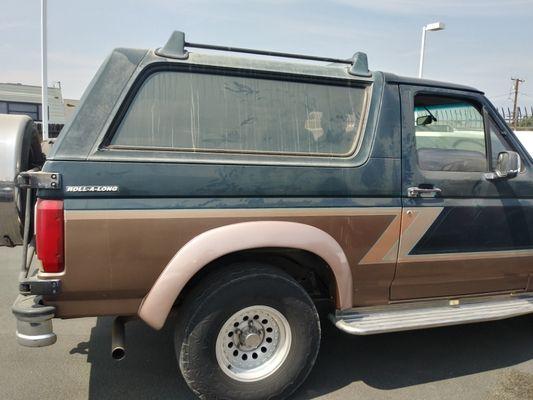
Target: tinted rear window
[203,112]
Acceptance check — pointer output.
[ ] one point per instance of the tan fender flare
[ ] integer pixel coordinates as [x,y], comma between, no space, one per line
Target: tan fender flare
[215,243]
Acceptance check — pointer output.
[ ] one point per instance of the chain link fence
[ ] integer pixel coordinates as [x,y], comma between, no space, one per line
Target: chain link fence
[524,117]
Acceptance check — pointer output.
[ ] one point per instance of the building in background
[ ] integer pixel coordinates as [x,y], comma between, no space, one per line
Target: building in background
[70,106]
[16,98]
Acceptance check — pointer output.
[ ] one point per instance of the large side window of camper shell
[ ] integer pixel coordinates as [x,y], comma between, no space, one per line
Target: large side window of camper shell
[202,112]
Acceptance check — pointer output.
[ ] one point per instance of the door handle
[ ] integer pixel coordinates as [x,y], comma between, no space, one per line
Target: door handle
[416,191]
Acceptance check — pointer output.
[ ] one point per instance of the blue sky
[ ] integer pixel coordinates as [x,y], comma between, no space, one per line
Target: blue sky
[486,42]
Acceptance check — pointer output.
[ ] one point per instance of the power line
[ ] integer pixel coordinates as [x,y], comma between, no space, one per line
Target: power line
[502,95]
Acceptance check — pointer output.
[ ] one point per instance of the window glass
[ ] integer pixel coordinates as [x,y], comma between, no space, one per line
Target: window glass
[3,107]
[22,107]
[189,111]
[498,143]
[31,110]
[449,135]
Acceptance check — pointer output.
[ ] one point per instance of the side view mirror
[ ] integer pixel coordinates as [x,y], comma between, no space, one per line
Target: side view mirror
[508,166]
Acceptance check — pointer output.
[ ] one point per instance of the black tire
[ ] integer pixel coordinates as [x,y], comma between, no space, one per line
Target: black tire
[222,294]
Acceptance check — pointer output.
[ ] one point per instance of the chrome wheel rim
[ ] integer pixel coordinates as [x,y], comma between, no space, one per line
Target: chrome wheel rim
[253,343]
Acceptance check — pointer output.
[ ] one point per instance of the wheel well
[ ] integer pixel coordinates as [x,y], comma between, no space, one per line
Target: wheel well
[308,269]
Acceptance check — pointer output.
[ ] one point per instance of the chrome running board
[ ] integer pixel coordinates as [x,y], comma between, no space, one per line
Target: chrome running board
[429,314]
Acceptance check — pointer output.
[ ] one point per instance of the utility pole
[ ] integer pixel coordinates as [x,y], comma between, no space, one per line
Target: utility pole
[517,82]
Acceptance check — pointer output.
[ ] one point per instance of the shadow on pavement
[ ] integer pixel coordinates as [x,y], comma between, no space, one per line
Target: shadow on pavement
[383,362]
[149,370]
[398,360]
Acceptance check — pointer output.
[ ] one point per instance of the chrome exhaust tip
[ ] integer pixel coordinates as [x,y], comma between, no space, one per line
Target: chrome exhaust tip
[118,353]
[118,337]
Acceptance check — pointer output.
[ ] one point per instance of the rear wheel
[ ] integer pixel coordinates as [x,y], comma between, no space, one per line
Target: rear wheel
[248,332]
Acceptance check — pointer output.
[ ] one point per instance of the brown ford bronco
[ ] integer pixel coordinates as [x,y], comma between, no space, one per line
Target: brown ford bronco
[241,192]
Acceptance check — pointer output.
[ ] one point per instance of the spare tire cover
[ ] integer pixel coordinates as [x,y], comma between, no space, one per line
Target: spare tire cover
[20,150]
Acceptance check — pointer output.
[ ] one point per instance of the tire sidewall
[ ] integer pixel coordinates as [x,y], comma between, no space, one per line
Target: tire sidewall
[197,354]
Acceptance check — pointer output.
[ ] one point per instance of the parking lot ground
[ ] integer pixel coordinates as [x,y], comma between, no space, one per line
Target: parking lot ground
[490,361]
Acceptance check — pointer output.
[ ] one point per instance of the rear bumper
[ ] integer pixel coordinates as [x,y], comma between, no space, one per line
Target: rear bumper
[38,286]
[34,321]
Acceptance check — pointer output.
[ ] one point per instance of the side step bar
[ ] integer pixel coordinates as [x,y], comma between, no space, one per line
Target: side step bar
[429,314]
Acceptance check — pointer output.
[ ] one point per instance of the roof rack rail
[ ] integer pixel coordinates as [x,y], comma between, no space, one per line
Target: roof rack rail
[176,44]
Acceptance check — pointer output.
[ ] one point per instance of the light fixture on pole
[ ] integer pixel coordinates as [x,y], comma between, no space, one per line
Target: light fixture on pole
[44,72]
[436,26]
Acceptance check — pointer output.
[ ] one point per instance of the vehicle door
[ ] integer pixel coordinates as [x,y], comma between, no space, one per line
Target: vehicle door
[464,230]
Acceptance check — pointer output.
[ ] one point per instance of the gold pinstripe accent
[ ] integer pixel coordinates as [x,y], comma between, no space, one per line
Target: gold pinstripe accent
[72,215]
[385,250]
[415,223]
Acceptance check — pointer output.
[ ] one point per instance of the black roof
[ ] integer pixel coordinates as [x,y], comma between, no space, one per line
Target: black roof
[392,78]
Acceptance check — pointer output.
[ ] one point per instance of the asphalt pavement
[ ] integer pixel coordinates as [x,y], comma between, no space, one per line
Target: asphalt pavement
[489,361]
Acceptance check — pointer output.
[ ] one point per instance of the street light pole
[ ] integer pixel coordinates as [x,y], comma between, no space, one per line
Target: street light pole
[422,51]
[44,71]
[437,26]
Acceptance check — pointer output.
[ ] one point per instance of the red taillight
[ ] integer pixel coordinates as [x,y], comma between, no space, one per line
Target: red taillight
[49,232]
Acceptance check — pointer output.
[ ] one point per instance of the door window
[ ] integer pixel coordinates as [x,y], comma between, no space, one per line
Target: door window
[497,142]
[449,134]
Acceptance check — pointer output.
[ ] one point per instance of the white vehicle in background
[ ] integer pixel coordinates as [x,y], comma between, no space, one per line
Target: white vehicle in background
[526,138]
